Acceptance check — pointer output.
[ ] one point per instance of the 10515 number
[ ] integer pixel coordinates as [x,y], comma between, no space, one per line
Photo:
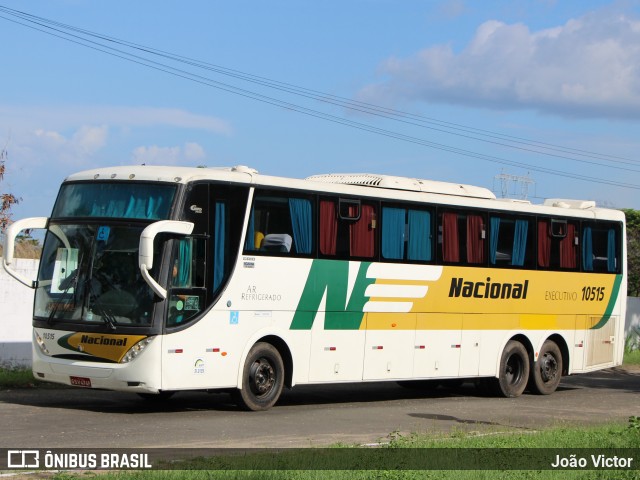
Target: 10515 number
[593,294]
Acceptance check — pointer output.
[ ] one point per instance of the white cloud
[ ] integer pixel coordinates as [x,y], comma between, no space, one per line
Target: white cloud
[155,155]
[75,150]
[65,117]
[589,66]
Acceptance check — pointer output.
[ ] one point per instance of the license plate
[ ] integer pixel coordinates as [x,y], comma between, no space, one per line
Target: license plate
[81,382]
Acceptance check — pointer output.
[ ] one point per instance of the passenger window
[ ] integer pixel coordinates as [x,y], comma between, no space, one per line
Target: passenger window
[280,225]
[557,244]
[600,251]
[462,237]
[406,234]
[347,228]
[509,244]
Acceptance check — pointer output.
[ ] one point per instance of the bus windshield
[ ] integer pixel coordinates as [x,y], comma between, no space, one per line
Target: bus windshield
[89,268]
[89,273]
[145,201]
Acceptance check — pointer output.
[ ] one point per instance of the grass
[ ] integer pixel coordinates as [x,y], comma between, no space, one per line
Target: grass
[597,438]
[17,378]
[632,357]
[21,377]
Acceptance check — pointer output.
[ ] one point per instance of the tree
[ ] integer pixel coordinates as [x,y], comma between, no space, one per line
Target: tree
[7,200]
[633,251]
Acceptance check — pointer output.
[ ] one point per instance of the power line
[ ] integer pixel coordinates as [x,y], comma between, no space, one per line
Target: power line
[61,32]
[359,106]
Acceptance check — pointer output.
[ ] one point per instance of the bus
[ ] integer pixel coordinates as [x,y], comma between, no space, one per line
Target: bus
[155,280]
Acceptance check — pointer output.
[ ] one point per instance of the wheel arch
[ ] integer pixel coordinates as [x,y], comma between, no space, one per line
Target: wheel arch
[283,349]
[560,341]
[285,354]
[519,337]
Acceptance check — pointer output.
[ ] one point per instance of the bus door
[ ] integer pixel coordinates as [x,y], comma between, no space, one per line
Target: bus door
[600,342]
[187,295]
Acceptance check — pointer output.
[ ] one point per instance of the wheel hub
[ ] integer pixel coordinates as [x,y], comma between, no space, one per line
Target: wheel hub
[262,377]
[548,367]
[513,369]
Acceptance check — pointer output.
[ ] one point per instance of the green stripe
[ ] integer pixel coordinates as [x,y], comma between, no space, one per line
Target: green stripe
[64,342]
[612,301]
[331,277]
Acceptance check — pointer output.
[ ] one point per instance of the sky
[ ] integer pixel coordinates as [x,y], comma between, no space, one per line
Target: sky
[462,90]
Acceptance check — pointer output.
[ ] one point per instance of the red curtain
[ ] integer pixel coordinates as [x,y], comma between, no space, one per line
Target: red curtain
[544,244]
[362,233]
[328,228]
[568,248]
[475,242]
[450,245]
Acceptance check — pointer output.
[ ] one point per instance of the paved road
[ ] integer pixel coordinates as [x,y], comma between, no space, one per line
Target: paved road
[305,416]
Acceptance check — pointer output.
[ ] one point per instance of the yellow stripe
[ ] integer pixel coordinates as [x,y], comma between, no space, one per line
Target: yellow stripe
[481,321]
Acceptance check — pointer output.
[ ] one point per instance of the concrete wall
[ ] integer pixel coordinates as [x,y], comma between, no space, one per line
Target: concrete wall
[632,325]
[16,311]
[16,304]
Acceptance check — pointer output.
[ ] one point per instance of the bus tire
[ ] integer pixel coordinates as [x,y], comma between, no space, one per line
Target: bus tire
[514,370]
[262,378]
[547,371]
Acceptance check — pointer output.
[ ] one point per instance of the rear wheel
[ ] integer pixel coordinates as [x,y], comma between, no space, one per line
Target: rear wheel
[262,378]
[514,370]
[547,371]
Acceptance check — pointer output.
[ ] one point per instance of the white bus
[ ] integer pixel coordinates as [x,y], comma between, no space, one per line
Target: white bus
[160,279]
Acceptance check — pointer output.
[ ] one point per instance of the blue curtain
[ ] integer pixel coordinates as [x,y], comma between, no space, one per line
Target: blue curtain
[149,202]
[587,249]
[493,239]
[218,245]
[183,275]
[611,250]
[419,244]
[249,243]
[301,221]
[133,207]
[520,242]
[393,233]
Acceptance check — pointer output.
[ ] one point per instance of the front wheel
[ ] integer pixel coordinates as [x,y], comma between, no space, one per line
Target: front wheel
[514,370]
[262,378]
[546,372]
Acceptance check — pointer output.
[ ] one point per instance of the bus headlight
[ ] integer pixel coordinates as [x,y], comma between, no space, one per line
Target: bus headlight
[40,342]
[136,350]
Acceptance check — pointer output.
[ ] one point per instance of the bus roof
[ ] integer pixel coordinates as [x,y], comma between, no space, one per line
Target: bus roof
[403,183]
[362,184]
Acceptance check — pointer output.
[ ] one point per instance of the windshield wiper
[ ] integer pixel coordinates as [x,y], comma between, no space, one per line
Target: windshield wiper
[108,318]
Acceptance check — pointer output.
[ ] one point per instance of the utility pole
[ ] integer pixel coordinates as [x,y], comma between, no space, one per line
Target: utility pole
[514,186]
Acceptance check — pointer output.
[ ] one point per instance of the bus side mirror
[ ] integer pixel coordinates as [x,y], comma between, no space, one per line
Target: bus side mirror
[10,242]
[145,255]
